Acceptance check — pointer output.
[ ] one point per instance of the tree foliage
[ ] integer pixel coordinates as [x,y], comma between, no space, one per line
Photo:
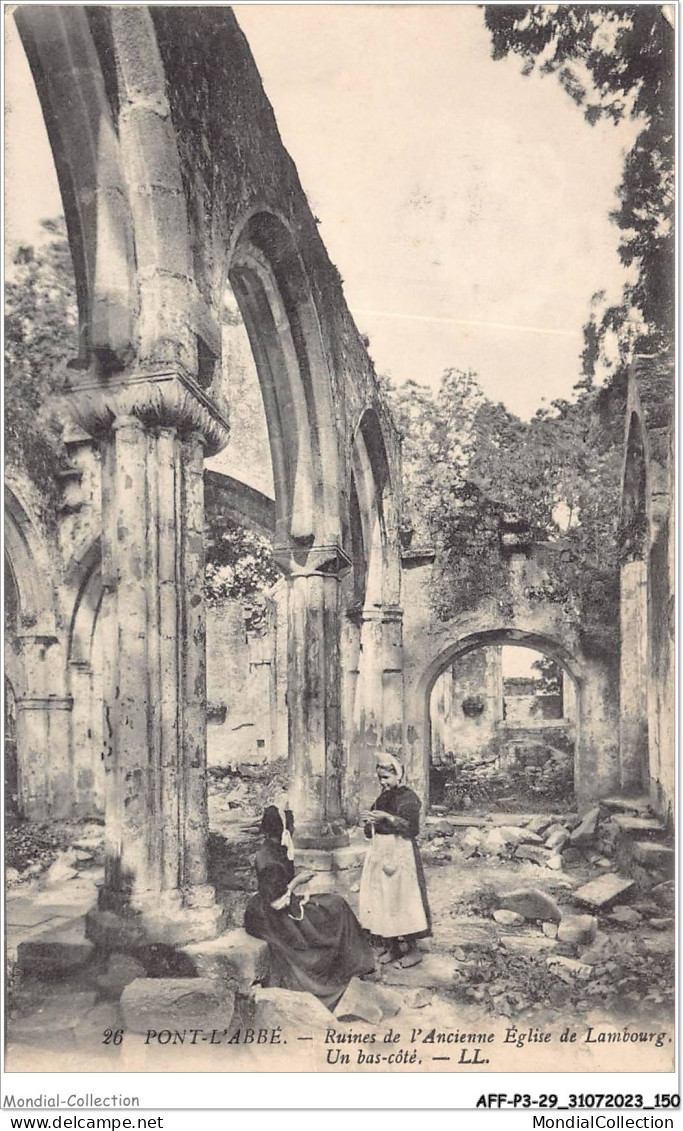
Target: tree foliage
[614,62]
[41,328]
[470,465]
[239,563]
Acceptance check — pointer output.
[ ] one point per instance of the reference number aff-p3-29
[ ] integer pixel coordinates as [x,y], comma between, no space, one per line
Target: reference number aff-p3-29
[578,1100]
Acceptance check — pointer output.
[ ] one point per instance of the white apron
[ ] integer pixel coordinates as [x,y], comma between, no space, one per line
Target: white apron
[390,901]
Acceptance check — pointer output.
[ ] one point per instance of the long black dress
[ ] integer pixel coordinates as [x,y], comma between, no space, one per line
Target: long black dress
[316,944]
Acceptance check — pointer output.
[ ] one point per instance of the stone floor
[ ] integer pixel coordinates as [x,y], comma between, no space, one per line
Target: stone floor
[61,1018]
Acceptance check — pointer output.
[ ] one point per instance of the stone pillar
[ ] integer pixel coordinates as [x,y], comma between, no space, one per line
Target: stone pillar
[381,692]
[44,784]
[633,720]
[154,678]
[314,696]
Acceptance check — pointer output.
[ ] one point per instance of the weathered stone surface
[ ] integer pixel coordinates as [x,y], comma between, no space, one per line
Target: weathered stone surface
[60,870]
[557,838]
[652,855]
[607,948]
[235,956]
[495,843]
[25,913]
[528,944]
[471,842]
[89,1030]
[510,819]
[555,862]
[368,1002]
[508,918]
[540,823]
[531,903]
[627,915]
[176,1003]
[577,929]
[572,855]
[439,825]
[660,924]
[435,970]
[297,1014]
[466,933]
[121,970]
[112,932]
[639,826]
[549,930]
[639,805]
[604,891]
[665,894]
[585,832]
[56,952]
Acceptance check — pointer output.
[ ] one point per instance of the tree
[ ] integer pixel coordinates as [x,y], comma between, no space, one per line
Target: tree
[41,328]
[615,61]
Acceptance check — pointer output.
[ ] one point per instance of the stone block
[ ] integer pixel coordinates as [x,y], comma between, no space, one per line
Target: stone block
[585,832]
[604,891]
[532,904]
[176,1003]
[369,1002]
[121,970]
[555,862]
[56,952]
[636,805]
[509,819]
[577,930]
[557,838]
[25,913]
[236,957]
[467,934]
[569,968]
[540,824]
[660,924]
[297,1014]
[113,932]
[656,856]
[572,855]
[530,945]
[549,930]
[639,826]
[508,918]
[435,971]
[439,825]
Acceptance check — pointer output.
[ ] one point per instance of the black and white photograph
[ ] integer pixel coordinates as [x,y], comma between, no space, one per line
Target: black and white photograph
[339,549]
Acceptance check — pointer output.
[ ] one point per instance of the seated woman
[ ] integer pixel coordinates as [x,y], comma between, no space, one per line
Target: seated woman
[393,893]
[316,943]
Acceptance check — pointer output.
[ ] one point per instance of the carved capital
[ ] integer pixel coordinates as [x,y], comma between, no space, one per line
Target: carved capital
[324,561]
[167,398]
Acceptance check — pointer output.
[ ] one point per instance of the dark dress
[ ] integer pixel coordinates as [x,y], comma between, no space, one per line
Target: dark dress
[316,945]
[393,893]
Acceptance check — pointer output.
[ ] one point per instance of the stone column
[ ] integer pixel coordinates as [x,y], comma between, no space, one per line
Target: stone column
[633,720]
[381,691]
[152,437]
[44,783]
[314,696]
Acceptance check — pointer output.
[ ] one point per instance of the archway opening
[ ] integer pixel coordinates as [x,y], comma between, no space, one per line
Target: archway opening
[503,721]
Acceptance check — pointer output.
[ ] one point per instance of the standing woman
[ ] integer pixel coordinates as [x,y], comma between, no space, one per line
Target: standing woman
[393,893]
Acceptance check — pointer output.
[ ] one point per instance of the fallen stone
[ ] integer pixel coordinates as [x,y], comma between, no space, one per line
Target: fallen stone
[417,998]
[435,971]
[366,1001]
[627,915]
[508,918]
[495,843]
[571,820]
[466,933]
[604,891]
[56,952]
[603,862]
[659,944]
[639,826]
[531,903]
[439,824]
[569,968]
[660,924]
[638,805]
[549,930]
[297,1014]
[653,855]
[555,862]
[609,948]
[12,876]
[577,929]
[467,821]
[665,895]
[25,913]
[176,1003]
[585,831]
[536,854]
[572,855]
[121,970]
[509,819]
[235,957]
[557,838]
[539,824]
[60,870]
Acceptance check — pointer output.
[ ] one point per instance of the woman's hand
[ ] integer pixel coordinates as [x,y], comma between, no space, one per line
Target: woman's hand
[299,881]
[379,815]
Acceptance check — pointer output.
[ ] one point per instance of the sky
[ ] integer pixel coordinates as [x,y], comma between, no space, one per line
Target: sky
[465,205]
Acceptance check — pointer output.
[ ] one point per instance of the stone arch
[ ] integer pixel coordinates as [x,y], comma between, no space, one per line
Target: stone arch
[85,680]
[28,561]
[78,117]
[271,286]
[550,646]
[376,497]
